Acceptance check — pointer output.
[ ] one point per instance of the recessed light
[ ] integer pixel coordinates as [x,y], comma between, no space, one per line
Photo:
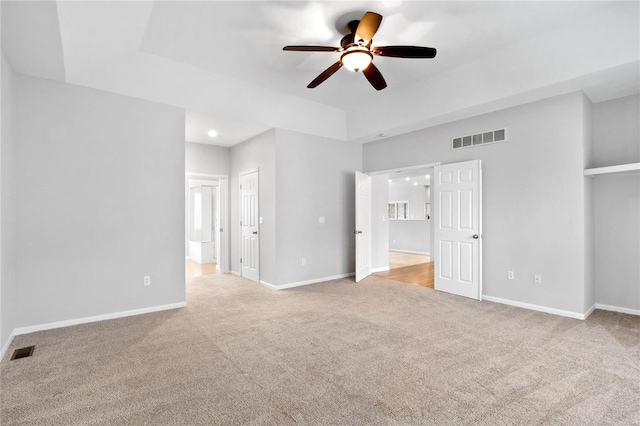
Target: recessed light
[415,183]
[212,133]
[389,180]
[427,176]
[407,178]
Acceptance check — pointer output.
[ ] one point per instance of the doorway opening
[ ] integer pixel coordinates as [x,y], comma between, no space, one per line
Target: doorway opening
[409,227]
[206,245]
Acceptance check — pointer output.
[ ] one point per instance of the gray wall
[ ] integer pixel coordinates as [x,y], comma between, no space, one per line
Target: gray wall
[410,235]
[208,159]
[379,222]
[616,132]
[315,177]
[101,187]
[533,195]
[8,203]
[257,152]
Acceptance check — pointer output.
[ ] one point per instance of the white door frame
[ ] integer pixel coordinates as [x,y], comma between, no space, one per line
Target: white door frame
[246,172]
[223,185]
[391,172]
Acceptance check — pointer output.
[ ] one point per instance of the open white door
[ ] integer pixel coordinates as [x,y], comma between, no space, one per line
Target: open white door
[458,228]
[222,234]
[249,254]
[363,226]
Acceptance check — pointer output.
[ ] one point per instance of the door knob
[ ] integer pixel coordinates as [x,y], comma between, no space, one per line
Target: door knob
[475,236]
[357,232]
[255,232]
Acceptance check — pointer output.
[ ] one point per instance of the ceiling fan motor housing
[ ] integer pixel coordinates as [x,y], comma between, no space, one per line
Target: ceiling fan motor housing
[357,54]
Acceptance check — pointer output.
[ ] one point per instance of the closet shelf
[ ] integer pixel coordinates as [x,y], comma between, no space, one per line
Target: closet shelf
[622,168]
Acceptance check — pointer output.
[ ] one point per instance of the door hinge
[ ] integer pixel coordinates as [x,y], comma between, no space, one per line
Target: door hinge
[240,186]
[240,260]
[240,223]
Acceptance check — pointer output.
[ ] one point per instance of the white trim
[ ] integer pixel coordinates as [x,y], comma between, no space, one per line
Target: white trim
[401,169]
[622,168]
[236,273]
[205,175]
[539,308]
[589,311]
[6,345]
[247,172]
[411,252]
[618,309]
[301,283]
[269,285]
[383,269]
[85,320]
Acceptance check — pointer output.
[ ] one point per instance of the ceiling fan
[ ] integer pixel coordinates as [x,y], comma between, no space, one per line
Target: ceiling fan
[357,53]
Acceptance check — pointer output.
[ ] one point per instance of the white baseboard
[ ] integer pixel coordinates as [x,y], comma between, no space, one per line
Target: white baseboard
[539,308]
[411,252]
[617,309]
[236,273]
[589,311]
[383,269]
[85,320]
[301,283]
[6,345]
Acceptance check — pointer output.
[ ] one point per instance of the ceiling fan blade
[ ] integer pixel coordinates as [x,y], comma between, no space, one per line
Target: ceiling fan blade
[312,48]
[325,75]
[405,51]
[374,76]
[367,27]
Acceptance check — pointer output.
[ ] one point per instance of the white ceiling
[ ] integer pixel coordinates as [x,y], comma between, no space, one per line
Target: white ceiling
[222,61]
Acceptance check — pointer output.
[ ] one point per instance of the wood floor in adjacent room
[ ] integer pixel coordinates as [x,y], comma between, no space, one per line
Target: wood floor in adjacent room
[410,268]
[195,269]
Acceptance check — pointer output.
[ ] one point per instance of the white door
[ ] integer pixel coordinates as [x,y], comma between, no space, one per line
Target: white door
[206,214]
[458,228]
[222,240]
[363,226]
[249,253]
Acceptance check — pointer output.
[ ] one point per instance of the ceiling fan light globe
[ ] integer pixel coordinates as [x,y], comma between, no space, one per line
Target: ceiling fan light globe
[356,60]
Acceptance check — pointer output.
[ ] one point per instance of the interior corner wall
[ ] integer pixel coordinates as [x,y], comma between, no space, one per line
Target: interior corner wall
[258,152]
[315,178]
[207,159]
[533,195]
[379,222]
[8,204]
[100,203]
[616,136]
[589,229]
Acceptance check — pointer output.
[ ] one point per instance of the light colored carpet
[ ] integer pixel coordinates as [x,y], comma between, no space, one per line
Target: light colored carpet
[376,353]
